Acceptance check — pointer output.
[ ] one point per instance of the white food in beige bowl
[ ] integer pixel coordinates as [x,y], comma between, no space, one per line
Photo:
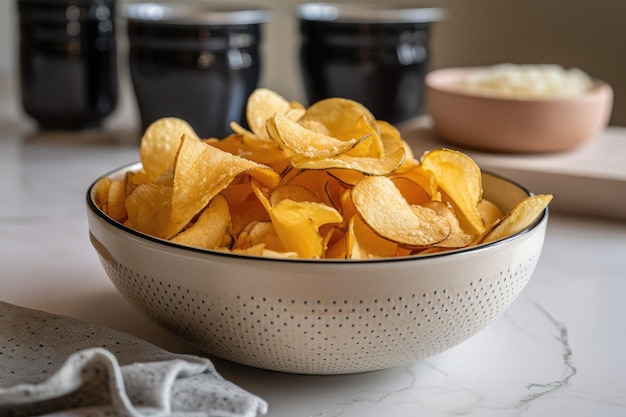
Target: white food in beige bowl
[319,316]
[508,108]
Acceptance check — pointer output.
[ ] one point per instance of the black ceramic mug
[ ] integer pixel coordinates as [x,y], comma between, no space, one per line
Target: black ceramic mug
[68,63]
[194,61]
[377,55]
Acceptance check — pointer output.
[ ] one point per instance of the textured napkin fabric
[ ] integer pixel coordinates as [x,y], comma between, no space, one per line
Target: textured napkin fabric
[52,365]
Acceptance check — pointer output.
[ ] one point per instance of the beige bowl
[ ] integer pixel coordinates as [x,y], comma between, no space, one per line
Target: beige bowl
[514,125]
[319,316]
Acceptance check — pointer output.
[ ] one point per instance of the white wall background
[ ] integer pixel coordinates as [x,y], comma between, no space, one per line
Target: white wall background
[589,34]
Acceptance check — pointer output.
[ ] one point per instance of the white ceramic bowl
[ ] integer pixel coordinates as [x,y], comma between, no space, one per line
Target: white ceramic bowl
[514,125]
[319,316]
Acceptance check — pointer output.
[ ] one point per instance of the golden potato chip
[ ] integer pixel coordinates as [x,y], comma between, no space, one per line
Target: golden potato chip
[460,178]
[297,225]
[383,208]
[413,171]
[259,233]
[149,209]
[346,119]
[336,245]
[489,212]
[116,200]
[207,232]
[370,166]
[457,238]
[266,153]
[292,192]
[302,143]
[249,210]
[363,243]
[333,192]
[390,137]
[160,142]
[346,176]
[263,104]
[412,192]
[312,180]
[201,171]
[101,191]
[520,217]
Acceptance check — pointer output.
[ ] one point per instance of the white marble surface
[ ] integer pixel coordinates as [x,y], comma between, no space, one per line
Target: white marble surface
[558,350]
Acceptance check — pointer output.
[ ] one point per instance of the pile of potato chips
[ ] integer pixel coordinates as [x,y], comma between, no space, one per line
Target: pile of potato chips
[327,181]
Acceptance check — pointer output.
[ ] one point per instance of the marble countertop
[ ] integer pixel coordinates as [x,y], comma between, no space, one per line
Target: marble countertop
[558,350]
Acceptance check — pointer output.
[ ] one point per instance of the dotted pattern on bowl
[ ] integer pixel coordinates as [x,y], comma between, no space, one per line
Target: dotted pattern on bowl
[324,336]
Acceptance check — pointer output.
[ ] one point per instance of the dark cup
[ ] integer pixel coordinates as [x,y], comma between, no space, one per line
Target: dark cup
[375,54]
[67,58]
[196,62]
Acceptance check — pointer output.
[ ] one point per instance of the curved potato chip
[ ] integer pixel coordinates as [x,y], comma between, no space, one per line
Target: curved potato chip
[249,210]
[412,192]
[160,142]
[413,171]
[370,166]
[101,193]
[363,243]
[262,152]
[346,119]
[489,212]
[460,178]
[201,171]
[263,104]
[457,238]
[149,209]
[338,115]
[292,192]
[208,231]
[520,217]
[389,136]
[297,225]
[259,233]
[305,143]
[116,200]
[383,208]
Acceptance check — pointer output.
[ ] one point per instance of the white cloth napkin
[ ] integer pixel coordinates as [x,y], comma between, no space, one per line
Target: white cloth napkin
[52,365]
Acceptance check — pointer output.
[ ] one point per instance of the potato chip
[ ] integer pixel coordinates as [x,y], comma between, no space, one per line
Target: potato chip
[249,210]
[413,171]
[457,238]
[383,208]
[520,217]
[363,243]
[292,192]
[346,119]
[259,233]
[263,104]
[297,225]
[207,232]
[116,200]
[266,153]
[365,165]
[149,209]
[160,142]
[489,212]
[101,191]
[201,171]
[460,178]
[412,192]
[302,143]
